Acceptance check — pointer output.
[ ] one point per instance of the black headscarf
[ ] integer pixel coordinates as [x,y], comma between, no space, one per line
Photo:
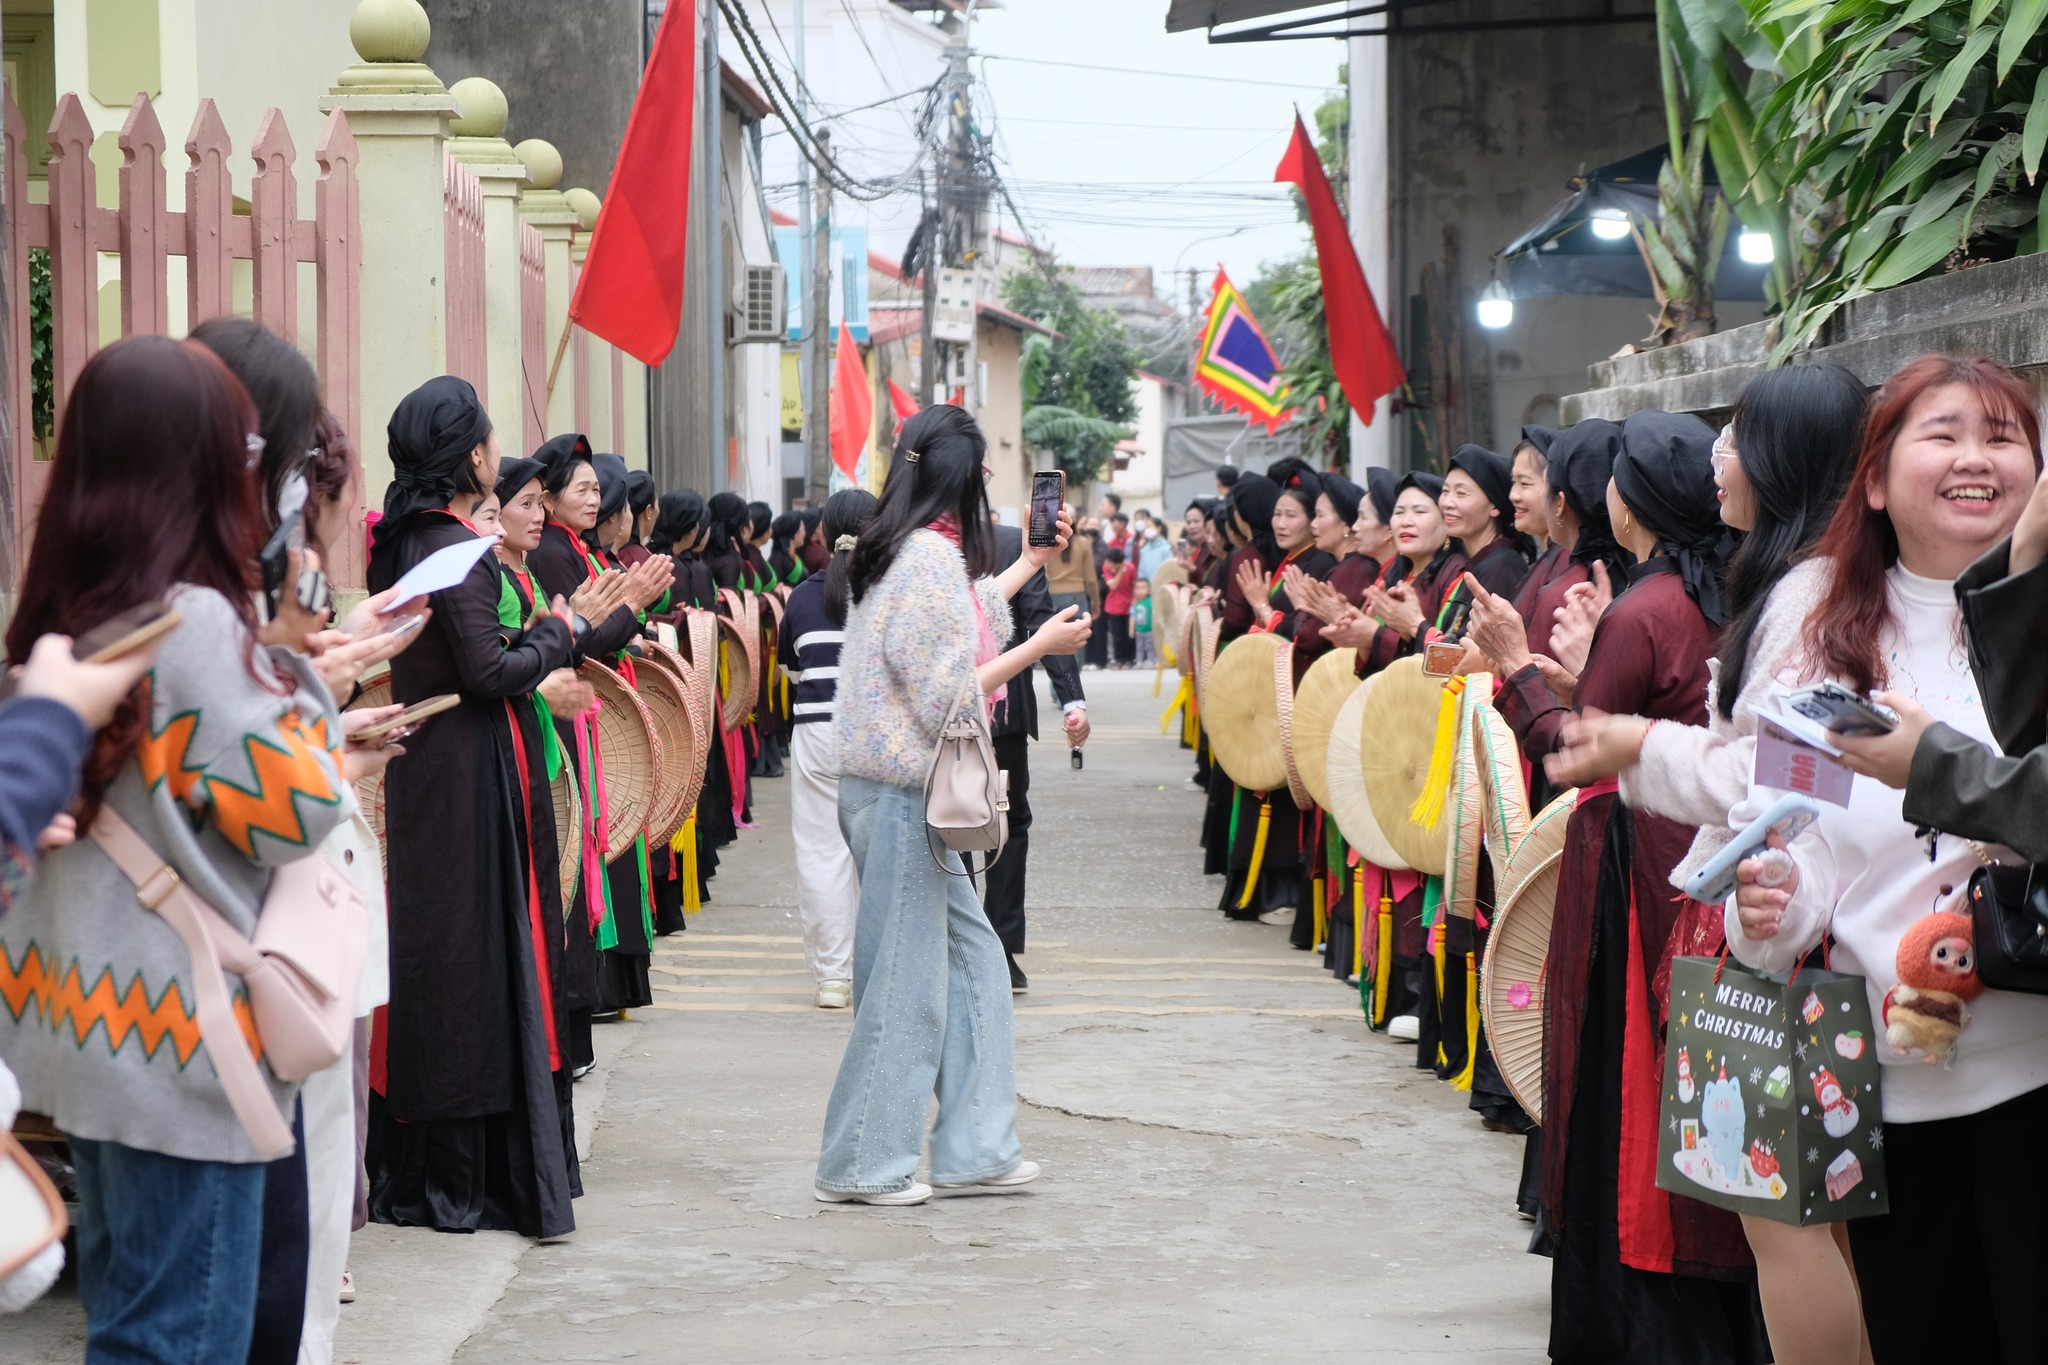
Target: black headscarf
[431,436]
[1382,489]
[1254,497]
[1580,464]
[1344,497]
[681,512]
[1665,474]
[514,474]
[1432,485]
[1543,438]
[639,490]
[558,457]
[611,493]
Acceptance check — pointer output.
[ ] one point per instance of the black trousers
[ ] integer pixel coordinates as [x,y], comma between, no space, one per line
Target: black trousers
[1960,1199]
[1123,649]
[1003,899]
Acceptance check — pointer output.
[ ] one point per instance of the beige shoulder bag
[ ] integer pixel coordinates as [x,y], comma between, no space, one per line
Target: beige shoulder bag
[301,971]
[966,795]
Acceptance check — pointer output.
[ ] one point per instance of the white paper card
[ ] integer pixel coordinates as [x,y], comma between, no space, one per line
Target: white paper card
[1790,762]
[444,568]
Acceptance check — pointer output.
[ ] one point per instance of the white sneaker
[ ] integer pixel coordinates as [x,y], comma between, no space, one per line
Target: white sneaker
[1022,1174]
[917,1193]
[1284,915]
[835,995]
[348,1286]
[1405,1028]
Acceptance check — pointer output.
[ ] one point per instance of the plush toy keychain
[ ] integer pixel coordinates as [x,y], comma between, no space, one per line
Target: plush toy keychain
[1937,965]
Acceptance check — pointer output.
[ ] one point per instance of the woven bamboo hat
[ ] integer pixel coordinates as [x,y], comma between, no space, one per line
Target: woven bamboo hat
[697,709]
[1489,802]
[699,646]
[1518,950]
[1241,711]
[742,635]
[1324,689]
[568,832]
[662,693]
[1169,607]
[1398,737]
[375,692]
[1203,642]
[630,748]
[1349,805]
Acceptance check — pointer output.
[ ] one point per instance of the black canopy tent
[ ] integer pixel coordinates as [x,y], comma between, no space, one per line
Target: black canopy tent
[1561,254]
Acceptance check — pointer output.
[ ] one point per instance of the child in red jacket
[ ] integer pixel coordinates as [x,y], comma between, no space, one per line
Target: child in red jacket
[1119,587]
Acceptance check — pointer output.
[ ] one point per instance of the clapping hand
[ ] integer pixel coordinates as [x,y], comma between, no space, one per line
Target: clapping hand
[1398,607]
[1571,639]
[647,581]
[567,696]
[1497,628]
[1596,745]
[1252,584]
[595,599]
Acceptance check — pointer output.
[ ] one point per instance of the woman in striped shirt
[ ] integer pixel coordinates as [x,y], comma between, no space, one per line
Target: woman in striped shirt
[828,889]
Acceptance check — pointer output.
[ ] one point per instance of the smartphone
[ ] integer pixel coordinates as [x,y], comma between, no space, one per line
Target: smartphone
[1048,491]
[408,719]
[311,589]
[1788,817]
[1842,710]
[1442,657]
[125,633]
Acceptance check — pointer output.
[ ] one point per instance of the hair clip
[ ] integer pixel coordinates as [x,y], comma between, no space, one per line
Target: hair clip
[845,543]
[911,455]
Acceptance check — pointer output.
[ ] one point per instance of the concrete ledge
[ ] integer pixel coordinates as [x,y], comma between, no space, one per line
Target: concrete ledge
[1999,310]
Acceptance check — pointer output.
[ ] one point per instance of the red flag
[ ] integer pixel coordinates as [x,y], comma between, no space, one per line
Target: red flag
[853,405]
[905,405]
[631,289]
[1361,350]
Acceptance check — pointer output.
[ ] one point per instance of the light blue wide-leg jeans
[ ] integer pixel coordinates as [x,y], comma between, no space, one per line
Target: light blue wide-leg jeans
[931,1013]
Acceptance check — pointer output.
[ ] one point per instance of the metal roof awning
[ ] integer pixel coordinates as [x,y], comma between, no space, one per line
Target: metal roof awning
[1560,253]
[1384,18]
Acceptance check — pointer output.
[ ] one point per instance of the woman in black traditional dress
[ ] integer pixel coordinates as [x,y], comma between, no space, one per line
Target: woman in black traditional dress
[470,1123]
[1638,1275]
[678,531]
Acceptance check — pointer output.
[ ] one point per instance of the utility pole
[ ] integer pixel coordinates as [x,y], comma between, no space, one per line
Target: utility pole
[928,276]
[818,333]
[953,232]
[807,335]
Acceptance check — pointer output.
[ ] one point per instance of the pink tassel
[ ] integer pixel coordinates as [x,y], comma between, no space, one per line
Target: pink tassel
[597,823]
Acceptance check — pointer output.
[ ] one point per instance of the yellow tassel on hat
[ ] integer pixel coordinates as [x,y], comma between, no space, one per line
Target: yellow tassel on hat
[684,846]
[1315,891]
[1383,957]
[1181,698]
[1463,1080]
[1358,925]
[1436,957]
[1428,810]
[1251,876]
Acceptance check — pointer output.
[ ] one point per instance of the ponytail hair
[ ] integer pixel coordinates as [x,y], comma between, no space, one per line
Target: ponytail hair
[846,513]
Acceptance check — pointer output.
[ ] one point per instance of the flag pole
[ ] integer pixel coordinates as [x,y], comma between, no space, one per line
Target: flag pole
[555,368]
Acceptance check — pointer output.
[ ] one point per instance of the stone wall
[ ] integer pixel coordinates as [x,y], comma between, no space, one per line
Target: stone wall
[1999,310]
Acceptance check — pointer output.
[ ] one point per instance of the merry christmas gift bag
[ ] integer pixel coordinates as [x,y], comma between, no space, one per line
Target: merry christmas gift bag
[1770,1103]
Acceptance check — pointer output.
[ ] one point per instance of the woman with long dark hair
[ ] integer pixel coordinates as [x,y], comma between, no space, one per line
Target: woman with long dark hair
[1951,448]
[924,634]
[815,553]
[813,630]
[471,1122]
[785,549]
[153,495]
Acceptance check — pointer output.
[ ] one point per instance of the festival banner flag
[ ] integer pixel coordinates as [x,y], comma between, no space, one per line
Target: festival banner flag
[630,291]
[852,405]
[1236,365]
[903,403]
[1361,349]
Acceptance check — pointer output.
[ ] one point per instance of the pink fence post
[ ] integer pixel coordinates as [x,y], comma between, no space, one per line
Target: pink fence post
[463,258]
[533,339]
[74,266]
[209,209]
[25,477]
[274,210]
[337,261]
[579,361]
[145,224]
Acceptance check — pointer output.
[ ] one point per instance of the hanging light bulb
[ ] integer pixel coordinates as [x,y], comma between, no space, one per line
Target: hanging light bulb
[1496,309]
[1755,247]
[1609,225]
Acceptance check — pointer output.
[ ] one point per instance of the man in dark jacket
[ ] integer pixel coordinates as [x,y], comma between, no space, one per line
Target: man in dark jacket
[1015,719]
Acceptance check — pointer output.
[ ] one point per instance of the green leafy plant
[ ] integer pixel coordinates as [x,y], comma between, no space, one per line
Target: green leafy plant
[1905,136]
[1301,335]
[41,346]
[1682,246]
[1084,371]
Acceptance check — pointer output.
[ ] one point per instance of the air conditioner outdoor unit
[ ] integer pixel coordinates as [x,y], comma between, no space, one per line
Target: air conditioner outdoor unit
[760,304]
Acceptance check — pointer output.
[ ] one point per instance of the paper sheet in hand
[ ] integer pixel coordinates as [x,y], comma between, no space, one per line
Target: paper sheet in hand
[444,568]
[1792,756]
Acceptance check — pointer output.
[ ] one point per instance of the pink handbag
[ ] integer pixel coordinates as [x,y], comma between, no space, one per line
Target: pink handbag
[301,971]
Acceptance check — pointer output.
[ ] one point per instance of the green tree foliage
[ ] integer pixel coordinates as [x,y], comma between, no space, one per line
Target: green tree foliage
[1081,377]
[1294,322]
[1682,245]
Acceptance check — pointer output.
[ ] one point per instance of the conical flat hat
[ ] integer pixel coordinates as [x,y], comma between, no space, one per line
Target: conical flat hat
[1169,605]
[1324,689]
[630,747]
[1394,748]
[1489,802]
[1349,805]
[1518,952]
[1204,641]
[1241,712]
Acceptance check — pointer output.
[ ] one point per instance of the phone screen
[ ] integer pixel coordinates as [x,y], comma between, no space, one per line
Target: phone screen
[1047,489]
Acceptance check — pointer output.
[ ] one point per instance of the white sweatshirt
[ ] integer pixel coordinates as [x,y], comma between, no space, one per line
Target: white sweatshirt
[1863,870]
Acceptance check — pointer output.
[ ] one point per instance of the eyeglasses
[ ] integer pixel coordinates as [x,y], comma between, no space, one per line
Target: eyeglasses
[1724,448]
[988,476]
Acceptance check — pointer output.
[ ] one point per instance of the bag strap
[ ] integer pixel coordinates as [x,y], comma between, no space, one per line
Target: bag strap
[204,933]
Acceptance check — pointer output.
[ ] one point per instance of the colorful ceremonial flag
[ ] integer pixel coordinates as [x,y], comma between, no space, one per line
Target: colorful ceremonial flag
[1236,365]
[853,405]
[631,289]
[1361,349]
[903,403]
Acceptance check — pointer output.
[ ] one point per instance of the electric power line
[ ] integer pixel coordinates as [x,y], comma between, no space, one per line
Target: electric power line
[1171,75]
